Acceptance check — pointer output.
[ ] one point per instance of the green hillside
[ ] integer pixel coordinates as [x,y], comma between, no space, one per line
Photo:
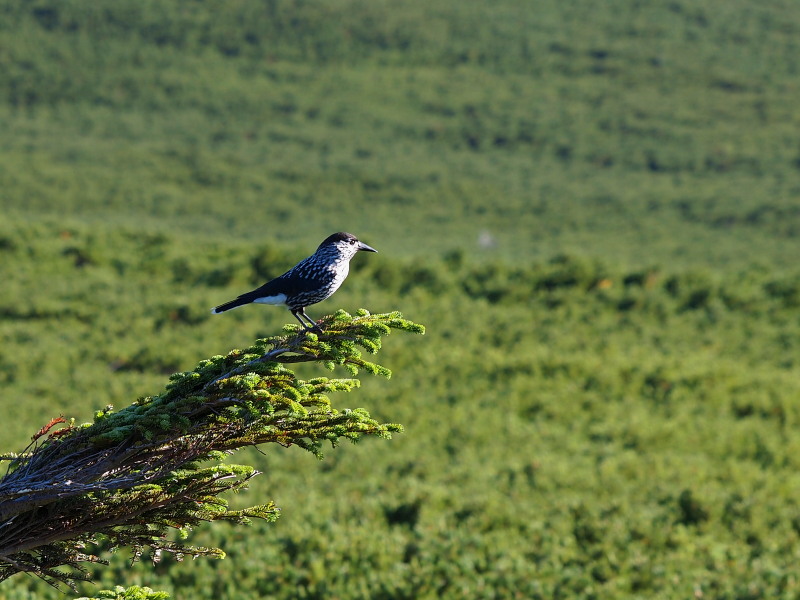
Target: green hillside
[594,208]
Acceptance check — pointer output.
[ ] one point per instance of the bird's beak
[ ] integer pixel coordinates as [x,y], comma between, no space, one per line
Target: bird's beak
[363,246]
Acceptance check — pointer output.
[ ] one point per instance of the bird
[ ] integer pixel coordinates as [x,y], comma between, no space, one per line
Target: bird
[312,280]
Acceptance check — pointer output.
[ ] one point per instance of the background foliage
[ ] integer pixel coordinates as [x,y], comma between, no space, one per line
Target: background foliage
[592,206]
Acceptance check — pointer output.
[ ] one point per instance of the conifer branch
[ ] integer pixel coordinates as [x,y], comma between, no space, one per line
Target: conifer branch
[131,476]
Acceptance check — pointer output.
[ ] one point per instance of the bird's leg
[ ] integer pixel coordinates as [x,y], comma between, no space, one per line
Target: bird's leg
[299,313]
[312,322]
[296,315]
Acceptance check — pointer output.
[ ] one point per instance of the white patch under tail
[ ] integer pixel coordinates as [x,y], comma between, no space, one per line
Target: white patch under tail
[276,300]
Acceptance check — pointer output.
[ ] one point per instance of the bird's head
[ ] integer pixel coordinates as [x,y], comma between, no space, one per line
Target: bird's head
[344,244]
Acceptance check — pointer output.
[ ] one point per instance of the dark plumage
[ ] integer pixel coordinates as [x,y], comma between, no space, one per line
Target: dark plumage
[310,281]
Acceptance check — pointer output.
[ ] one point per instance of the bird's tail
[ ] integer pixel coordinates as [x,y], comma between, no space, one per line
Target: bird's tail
[232,304]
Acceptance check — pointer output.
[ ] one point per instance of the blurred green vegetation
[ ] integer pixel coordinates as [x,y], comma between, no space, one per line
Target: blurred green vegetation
[593,207]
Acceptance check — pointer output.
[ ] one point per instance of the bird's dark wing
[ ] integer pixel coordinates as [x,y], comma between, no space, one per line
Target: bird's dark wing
[291,285]
[275,287]
[300,281]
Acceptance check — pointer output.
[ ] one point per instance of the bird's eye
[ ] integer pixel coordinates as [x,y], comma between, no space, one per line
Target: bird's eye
[352,242]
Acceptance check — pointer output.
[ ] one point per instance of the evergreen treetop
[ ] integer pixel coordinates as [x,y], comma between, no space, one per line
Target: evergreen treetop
[131,476]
